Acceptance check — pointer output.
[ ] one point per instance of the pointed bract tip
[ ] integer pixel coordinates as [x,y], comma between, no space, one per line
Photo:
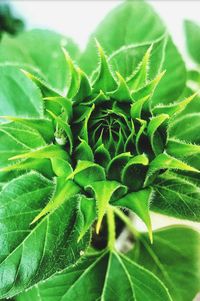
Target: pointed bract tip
[151,236]
[98,226]
[28,74]
[14,157]
[160,75]
[148,52]
[79,238]
[98,45]
[67,57]
[119,76]
[66,53]
[100,49]
[35,219]
[146,162]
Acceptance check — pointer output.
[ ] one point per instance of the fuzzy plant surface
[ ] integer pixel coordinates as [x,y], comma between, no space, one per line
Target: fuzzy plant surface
[88,142]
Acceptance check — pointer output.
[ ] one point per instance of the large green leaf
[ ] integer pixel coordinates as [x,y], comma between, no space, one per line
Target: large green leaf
[174,257]
[186,128]
[39,51]
[107,276]
[192,31]
[19,96]
[30,253]
[21,136]
[132,31]
[126,59]
[177,196]
[173,83]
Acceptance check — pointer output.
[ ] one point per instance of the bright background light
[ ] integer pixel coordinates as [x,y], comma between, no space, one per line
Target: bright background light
[78,19]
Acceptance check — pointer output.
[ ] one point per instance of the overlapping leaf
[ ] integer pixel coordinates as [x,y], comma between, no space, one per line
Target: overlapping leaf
[32,253]
[99,277]
[174,258]
[44,60]
[19,96]
[177,196]
[135,32]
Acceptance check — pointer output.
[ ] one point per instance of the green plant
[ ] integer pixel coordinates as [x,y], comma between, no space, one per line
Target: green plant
[82,148]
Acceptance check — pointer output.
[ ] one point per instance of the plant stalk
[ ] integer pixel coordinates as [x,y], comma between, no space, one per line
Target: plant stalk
[111,228]
[126,221]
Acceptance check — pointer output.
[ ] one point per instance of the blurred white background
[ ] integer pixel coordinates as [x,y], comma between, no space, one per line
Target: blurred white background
[78,19]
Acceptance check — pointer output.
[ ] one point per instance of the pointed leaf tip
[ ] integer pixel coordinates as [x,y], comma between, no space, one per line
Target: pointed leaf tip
[104,78]
[122,93]
[103,192]
[175,107]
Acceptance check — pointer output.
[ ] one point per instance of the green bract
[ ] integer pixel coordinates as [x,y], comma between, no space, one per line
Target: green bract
[80,151]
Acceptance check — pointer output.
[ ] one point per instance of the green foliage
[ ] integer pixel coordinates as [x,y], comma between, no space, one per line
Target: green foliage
[82,150]
[44,60]
[102,275]
[192,31]
[174,257]
[19,96]
[32,253]
[134,33]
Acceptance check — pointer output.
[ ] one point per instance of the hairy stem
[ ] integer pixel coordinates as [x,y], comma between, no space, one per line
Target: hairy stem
[111,228]
[126,221]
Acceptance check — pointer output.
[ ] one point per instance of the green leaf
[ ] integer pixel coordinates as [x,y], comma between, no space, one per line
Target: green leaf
[149,88]
[19,138]
[87,172]
[48,152]
[177,196]
[133,173]
[130,32]
[173,108]
[87,214]
[174,258]
[180,149]
[19,96]
[101,276]
[42,55]
[157,132]
[139,202]
[139,135]
[122,93]
[102,156]
[186,128]
[44,127]
[84,152]
[173,83]
[134,32]
[103,192]
[136,107]
[61,167]
[141,61]
[164,161]
[29,254]
[192,32]
[104,80]
[115,166]
[64,190]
